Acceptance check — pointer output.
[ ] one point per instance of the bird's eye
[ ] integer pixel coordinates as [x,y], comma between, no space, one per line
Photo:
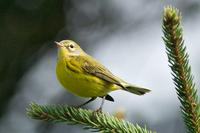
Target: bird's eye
[71,47]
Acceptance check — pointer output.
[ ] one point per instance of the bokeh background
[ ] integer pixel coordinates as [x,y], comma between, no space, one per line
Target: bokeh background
[125,35]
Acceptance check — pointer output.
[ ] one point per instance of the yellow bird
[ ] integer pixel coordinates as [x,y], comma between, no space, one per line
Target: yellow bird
[84,76]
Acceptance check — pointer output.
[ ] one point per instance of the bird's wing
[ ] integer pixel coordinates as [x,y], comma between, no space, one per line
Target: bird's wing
[93,67]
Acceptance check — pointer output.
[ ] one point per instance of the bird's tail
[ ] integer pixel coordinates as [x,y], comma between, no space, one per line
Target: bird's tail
[135,89]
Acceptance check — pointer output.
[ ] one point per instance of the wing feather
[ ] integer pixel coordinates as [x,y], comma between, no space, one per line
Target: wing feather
[93,67]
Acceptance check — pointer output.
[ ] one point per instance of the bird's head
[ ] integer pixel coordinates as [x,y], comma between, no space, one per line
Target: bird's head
[67,48]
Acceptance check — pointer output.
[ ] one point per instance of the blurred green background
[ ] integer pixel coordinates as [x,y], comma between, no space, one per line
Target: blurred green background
[124,35]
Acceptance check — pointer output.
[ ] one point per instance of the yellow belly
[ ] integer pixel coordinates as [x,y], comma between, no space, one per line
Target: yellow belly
[81,84]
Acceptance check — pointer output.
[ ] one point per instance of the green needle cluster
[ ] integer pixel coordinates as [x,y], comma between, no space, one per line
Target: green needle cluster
[96,121]
[181,70]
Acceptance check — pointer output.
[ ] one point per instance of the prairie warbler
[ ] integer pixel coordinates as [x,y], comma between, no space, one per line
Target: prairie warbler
[84,76]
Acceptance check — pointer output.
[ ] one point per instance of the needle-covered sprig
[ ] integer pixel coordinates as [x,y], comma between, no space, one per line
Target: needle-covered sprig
[181,70]
[96,121]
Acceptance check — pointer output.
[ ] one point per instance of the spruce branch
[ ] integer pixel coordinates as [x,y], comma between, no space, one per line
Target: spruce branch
[91,120]
[181,70]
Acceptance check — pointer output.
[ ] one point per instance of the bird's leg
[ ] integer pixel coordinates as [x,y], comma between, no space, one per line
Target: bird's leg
[99,110]
[90,100]
[101,106]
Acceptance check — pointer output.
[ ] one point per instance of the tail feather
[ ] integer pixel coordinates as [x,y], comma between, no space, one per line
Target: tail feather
[135,89]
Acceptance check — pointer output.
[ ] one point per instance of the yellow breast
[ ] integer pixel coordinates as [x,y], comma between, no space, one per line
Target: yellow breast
[81,84]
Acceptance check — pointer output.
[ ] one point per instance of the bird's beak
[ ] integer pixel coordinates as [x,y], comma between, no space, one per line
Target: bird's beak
[58,44]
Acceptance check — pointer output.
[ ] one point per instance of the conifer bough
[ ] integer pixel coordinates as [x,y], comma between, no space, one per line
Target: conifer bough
[181,70]
[88,118]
